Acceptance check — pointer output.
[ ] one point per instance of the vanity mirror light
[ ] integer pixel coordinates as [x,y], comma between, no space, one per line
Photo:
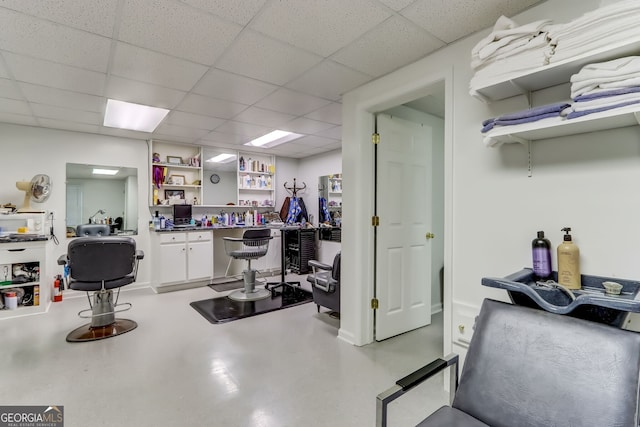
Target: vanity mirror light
[102,194]
[220,178]
[330,206]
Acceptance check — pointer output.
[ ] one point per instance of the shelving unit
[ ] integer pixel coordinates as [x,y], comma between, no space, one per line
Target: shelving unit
[554,73]
[256,180]
[184,172]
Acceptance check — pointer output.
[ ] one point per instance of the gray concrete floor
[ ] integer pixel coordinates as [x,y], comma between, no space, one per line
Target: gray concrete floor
[284,368]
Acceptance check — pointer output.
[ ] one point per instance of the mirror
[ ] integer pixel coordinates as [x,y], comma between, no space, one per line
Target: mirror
[102,199]
[330,207]
[220,179]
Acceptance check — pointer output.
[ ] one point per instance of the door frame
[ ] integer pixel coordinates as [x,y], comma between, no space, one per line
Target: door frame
[359,107]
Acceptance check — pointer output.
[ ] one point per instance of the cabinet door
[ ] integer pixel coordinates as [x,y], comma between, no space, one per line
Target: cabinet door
[173,263]
[274,255]
[200,260]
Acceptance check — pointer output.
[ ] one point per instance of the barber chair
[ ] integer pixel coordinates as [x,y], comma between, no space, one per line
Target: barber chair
[325,284]
[529,367]
[252,245]
[100,264]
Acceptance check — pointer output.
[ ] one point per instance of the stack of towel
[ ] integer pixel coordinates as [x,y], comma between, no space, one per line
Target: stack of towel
[508,50]
[544,112]
[605,86]
[596,29]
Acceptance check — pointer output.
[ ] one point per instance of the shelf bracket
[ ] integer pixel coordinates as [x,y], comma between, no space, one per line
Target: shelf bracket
[525,92]
[636,114]
[527,143]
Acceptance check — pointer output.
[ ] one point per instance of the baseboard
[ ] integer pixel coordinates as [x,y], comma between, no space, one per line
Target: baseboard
[436,308]
[346,336]
[180,286]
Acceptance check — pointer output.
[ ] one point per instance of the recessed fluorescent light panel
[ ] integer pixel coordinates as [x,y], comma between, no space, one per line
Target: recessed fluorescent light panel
[125,115]
[97,171]
[274,138]
[222,158]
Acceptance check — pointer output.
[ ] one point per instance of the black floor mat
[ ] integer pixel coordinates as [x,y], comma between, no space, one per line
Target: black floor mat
[224,309]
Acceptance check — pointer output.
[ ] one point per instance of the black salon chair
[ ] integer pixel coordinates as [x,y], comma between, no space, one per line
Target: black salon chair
[325,284]
[529,367]
[101,264]
[252,245]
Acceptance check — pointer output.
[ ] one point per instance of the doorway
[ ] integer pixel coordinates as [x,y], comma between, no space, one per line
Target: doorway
[410,92]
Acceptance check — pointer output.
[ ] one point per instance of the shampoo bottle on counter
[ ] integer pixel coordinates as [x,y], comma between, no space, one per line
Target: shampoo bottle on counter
[541,250]
[568,262]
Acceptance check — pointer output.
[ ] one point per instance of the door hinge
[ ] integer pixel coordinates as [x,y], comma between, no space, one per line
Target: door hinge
[375,220]
[375,138]
[374,303]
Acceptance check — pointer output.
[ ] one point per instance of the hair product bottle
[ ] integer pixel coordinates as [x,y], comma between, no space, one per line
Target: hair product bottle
[541,250]
[568,262]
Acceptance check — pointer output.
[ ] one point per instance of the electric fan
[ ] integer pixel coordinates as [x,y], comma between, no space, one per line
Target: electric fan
[38,190]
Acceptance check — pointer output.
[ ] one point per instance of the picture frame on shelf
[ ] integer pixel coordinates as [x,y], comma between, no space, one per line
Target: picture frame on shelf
[173,194]
[174,160]
[176,179]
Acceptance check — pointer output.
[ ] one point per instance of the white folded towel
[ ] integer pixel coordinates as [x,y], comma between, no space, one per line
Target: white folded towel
[593,76]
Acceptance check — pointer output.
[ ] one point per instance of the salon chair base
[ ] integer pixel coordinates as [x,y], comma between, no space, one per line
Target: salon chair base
[89,333]
[249,292]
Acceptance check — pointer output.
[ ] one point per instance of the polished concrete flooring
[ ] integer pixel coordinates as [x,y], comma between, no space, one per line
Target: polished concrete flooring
[284,368]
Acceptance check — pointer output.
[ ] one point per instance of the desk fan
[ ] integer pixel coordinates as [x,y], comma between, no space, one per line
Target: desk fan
[38,190]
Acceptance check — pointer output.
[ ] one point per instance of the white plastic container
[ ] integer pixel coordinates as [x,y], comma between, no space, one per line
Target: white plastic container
[10,300]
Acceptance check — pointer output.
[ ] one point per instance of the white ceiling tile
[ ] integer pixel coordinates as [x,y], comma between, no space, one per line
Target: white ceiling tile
[19,119]
[331,113]
[304,125]
[397,4]
[67,125]
[9,89]
[124,133]
[176,29]
[14,106]
[333,133]
[329,80]
[66,114]
[315,25]
[203,105]
[98,18]
[291,102]
[144,65]
[394,43]
[174,138]
[142,93]
[35,37]
[233,87]
[240,12]
[314,141]
[180,131]
[263,58]
[224,138]
[62,98]
[197,121]
[263,117]
[450,20]
[243,129]
[4,73]
[47,73]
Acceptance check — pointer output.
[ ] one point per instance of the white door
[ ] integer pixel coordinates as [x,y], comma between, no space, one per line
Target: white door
[403,249]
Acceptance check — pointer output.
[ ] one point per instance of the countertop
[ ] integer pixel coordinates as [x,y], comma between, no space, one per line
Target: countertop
[228,227]
[17,238]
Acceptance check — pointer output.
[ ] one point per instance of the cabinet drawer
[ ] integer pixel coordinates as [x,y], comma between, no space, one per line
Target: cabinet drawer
[173,237]
[199,236]
[18,255]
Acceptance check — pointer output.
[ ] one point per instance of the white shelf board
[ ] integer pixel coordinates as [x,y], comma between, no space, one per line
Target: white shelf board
[557,72]
[544,129]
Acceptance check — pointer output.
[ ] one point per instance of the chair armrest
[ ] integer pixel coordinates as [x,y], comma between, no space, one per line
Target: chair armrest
[139,254]
[413,379]
[63,259]
[320,265]
[233,239]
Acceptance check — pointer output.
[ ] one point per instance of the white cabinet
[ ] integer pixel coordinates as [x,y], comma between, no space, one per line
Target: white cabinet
[182,258]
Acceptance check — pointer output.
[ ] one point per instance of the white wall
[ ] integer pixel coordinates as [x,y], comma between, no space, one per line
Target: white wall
[588,182]
[36,150]
[310,169]
[286,170]
[226,191]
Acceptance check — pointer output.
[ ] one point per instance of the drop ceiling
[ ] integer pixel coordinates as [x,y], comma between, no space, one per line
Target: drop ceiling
[229,70]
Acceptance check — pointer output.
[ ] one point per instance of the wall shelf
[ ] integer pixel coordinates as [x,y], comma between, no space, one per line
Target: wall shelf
[554,73]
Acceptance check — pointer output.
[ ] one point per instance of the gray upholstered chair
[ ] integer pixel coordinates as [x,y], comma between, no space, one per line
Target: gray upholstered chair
[529,367]
[101,265]
[325,284]
[252,245]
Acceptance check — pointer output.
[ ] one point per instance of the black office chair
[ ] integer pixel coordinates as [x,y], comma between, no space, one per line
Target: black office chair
[325,284]
[101,264]
[252,245]
[528,367]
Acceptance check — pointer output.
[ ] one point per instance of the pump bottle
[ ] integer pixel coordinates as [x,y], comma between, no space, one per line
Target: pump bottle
[569,262]
[541,251]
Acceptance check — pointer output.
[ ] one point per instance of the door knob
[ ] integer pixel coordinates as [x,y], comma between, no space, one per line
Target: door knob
[430,236]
